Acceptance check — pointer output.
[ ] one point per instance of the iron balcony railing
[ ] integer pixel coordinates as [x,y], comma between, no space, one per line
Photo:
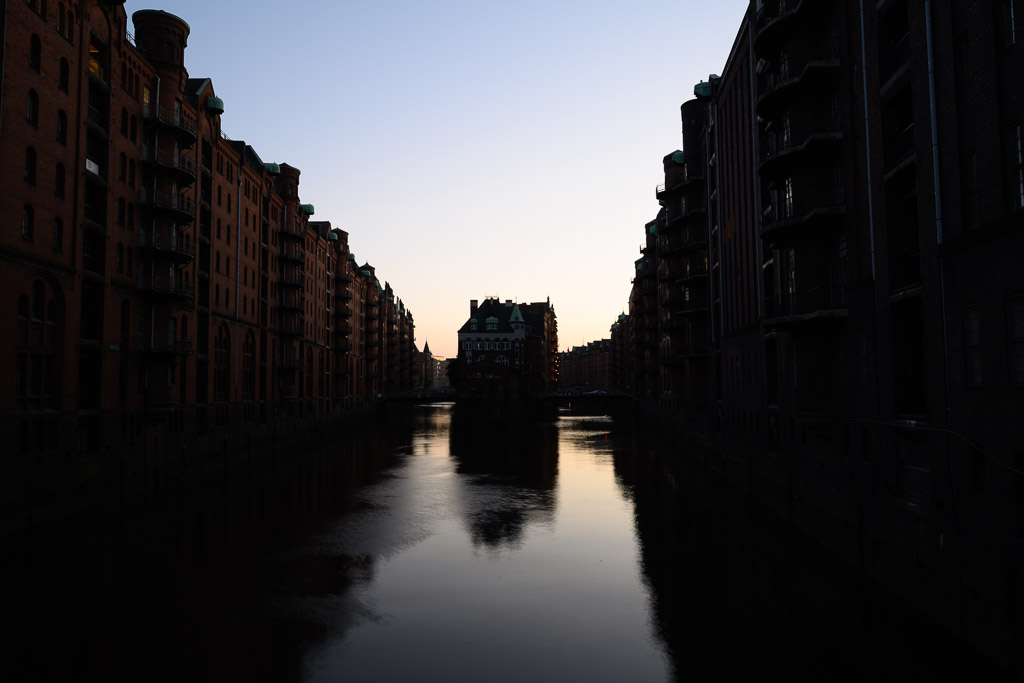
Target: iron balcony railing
[801,202]
[165,284]
[173,160]
[170,117]
[179,347]
[168,201]
[172,243]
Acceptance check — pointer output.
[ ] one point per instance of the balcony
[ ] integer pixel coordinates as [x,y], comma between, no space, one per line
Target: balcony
[184,125]
[291,325]
[291,252]
[773,21]
[291,301]
[173,347]
[293,229]
[799,142]
[183,167]
[796,71]
[809,207]
[292,278]
[822,302]
[174,245]
[163,283]
[183,208]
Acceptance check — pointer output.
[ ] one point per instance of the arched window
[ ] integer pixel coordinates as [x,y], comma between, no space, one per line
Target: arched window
[30,165]
[124,121]
[32,110]
[37,368]
[61,19]
[28,220]
[221,364]
[249,367]
[71,22]
[131,173]
[35,52]
[134,127]
[62,127]
[58,234]
[128,261]
[59,181]
[62,78]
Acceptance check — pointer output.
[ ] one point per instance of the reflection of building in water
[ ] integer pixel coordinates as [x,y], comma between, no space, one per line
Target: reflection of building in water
[518,465]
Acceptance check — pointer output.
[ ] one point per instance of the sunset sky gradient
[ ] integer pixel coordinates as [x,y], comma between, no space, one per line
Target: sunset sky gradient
[470,149]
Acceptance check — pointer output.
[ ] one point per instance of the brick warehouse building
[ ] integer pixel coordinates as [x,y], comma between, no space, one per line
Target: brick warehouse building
[167,284]
[831,293]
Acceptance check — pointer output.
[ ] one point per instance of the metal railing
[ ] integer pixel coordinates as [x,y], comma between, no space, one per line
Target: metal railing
[170,159]
[170,117]
[168,200]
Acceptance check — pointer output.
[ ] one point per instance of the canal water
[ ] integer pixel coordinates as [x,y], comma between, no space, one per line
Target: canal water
[449,546]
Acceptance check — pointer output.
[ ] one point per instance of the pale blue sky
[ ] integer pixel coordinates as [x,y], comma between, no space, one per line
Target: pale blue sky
[469,148]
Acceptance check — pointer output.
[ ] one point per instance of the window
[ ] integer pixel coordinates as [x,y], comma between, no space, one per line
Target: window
[122,168]
[131,173]
[32,111]
[128,261]
[62,19]
[133,128]
[36,374]
[467,345]
[131,216]
[62,127]
[972,344]
[505,346]
[221,364]
[28,220]
[62,78]
[38,6]
[35,52]
[119,259]
[124,121]
[120,211]
[59,181]
[1016,324]
[30,165]
[58,234]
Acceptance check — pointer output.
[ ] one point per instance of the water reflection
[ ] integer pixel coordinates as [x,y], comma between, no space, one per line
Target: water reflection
[447,546]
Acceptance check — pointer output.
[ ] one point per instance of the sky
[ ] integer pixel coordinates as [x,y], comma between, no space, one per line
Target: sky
[470,148]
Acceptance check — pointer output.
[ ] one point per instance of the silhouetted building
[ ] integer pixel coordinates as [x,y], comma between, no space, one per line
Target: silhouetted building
[830,295]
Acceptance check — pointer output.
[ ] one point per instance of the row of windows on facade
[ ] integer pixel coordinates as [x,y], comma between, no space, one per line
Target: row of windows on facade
[65,17]
[487,345]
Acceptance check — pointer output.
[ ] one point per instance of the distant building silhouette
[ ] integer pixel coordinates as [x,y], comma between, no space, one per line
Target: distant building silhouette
[508,349]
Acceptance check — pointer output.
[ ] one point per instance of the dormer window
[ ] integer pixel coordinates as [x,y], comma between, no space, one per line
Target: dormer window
[472,325]
[492,326]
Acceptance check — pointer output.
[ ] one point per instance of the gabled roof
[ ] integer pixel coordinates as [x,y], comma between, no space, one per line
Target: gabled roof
[493,312]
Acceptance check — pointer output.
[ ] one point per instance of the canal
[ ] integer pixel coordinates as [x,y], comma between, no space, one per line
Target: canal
[446,546]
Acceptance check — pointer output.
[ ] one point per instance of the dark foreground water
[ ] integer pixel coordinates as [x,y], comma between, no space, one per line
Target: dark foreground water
[445,547]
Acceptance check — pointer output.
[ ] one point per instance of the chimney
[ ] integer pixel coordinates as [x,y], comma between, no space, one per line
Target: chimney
[472,307]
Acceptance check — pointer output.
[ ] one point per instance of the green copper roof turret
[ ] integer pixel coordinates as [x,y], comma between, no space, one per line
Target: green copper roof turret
[308,208]
[215,105]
